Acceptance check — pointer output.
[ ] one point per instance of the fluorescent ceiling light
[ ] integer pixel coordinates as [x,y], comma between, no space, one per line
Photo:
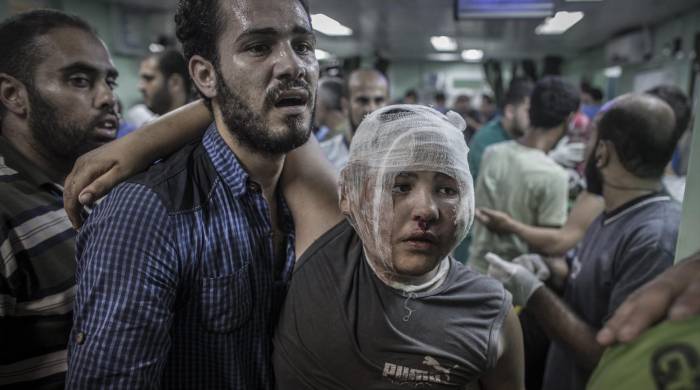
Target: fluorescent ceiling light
[443,43]
[472,55]
[329,26]
[322,54]
[156,48]
[485,9]
[613,72]
[559,23]
[444,57]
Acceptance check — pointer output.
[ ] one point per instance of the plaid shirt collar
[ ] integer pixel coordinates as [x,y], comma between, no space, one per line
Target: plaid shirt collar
[225,161]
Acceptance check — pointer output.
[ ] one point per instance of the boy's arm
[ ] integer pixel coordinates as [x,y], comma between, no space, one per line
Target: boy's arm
[509,372]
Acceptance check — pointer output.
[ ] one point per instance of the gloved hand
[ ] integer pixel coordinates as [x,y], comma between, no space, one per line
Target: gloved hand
[517,279]
[535,264]
[568,154]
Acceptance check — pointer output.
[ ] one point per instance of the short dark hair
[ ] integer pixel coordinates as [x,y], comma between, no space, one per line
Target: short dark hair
[552,101]
[486,98]
[679,102]
[172,62]
[596,94]
[518,91]
[18,41]
[198,25]
[643,134]
[440,96]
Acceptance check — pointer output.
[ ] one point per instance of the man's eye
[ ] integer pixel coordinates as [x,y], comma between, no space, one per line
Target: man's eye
[259,49]
[80,82]
[304,48]
[112,84]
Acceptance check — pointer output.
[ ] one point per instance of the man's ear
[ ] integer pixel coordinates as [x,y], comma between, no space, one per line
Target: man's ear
[13,95]
[203,75]
[603,153]
[176,83]
[508,111]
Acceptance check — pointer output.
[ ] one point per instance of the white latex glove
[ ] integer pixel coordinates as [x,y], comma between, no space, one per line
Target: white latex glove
[534,264]
[568,154]
[515,278]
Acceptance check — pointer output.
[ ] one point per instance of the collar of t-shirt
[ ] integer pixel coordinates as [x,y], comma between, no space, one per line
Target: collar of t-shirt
[660,196]
[430,285]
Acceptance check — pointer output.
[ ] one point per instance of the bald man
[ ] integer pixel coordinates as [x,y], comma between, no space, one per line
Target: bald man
[368,90]
[629,244]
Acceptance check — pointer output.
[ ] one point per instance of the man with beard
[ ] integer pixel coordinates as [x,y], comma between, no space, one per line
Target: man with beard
[182,269]
[556,242]
[628,245]
[510,125]
[368,90]
[519,177]
[164,81]
[56,83]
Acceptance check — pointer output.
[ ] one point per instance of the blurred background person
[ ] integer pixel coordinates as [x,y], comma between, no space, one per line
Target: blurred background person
[368,90]
[164,81]
[332,126]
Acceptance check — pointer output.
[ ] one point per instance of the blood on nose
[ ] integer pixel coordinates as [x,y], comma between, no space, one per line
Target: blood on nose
[422,224]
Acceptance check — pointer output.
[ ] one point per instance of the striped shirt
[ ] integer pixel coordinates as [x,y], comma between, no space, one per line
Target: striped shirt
[36,275]
[177,283]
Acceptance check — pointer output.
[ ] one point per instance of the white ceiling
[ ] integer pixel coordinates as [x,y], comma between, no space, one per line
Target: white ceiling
[401,29]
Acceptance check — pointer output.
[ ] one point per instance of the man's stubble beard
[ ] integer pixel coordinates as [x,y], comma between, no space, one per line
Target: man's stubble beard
[59,141]
[161,101]
[252,130]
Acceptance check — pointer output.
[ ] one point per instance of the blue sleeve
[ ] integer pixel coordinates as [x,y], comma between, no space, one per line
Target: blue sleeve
[126,287]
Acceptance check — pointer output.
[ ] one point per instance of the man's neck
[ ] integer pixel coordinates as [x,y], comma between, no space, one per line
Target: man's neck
[264,169]
[538,139]
[627,189]
[508,127]
[55,169]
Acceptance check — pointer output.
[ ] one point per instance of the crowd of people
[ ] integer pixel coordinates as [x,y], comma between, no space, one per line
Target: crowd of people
[255,225]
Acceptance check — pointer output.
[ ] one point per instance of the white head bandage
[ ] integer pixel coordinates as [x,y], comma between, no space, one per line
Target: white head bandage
[395,139]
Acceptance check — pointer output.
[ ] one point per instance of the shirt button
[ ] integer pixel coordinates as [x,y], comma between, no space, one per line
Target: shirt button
[253,186]
[80,338]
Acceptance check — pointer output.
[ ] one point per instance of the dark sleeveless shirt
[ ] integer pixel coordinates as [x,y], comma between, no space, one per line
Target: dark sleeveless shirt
[343,328]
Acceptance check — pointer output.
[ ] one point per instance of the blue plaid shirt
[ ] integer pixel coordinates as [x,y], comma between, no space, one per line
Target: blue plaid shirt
[177,285]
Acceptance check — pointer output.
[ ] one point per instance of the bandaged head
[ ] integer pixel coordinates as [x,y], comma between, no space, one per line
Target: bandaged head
[391,141]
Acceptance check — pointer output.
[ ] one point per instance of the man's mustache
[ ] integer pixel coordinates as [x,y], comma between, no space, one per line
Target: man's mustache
[273,94]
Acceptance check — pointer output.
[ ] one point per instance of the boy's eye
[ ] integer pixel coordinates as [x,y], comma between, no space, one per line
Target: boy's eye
[401,188]
[448,191]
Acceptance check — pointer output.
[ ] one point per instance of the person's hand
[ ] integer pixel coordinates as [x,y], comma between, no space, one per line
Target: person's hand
[515,278]
[535,264]
[673,295]
[494,220]
[568,154]
[97,172]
